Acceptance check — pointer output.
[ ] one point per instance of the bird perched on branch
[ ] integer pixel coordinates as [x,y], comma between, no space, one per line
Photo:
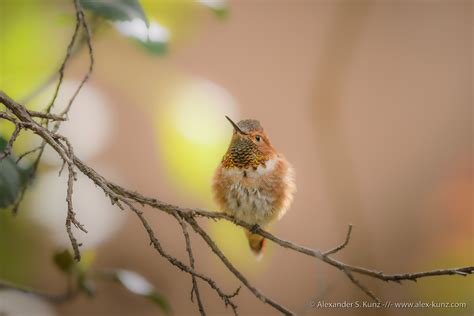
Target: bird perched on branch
[253,182]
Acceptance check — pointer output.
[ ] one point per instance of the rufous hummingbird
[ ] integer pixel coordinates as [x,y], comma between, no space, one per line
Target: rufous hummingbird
[253,182]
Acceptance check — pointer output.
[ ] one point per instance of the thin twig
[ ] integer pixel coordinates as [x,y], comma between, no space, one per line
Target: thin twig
[47,116]
[7,117]
[194,288]
[32,151]
[8,148]
[361,286]
[80,20]
[71,215]
[95,23]
[173,260]
[91,59]
[234,270]
[70,46]
[341,246]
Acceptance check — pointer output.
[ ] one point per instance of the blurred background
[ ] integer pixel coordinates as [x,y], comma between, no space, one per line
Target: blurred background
[371,101]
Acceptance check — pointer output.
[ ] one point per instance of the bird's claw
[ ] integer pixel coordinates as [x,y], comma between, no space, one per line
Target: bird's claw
[254,228]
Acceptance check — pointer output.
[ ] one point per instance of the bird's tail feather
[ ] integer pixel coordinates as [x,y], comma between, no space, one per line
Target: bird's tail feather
[256,242]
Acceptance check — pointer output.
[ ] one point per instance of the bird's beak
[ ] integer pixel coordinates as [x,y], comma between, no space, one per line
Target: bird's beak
[236,128]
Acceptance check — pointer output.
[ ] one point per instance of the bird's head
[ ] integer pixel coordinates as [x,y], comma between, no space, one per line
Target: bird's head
[249,146]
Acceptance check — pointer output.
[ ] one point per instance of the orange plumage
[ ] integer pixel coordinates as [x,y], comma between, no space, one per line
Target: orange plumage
[253,182]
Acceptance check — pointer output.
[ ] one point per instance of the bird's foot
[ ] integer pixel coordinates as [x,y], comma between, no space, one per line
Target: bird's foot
[254,228]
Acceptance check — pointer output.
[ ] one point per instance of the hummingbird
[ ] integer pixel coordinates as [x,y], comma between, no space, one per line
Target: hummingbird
[253,182]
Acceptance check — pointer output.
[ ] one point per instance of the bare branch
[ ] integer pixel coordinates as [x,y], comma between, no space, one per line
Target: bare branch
[70,46]
[47,116]
[361,286]
[71,215]
[7,117]
[32,151]
[91,58]
[194,289]
[80,20]
[341,246]
[173,260]
[234,270]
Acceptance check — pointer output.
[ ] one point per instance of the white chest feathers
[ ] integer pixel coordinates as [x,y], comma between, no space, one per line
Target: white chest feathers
[269,167]
[251,173]
[246,198]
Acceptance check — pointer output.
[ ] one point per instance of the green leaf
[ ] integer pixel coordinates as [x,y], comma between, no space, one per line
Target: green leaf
[64,261]
[12,178]
[10,182]
[138,285]
[131,280]
[157,48]
[153,37]
[86,285]
[3,143]
[116,10]
[161,301]
[78,270]
[219,7]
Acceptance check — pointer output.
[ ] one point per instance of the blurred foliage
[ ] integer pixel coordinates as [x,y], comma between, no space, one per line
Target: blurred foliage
[121,10]
[80,273]
[219,7]
[155,47]
[150,25]
[12,177]
[84,276]
[448,289]
[178,17]
[137,284]
[64,261]
[19,248]
[25,27]
[130,19]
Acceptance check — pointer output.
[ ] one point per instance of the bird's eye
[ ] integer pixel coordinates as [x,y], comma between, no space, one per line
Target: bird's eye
[257,138]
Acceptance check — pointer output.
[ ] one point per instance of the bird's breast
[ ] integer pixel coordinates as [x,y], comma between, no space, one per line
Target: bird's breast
[253,195]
